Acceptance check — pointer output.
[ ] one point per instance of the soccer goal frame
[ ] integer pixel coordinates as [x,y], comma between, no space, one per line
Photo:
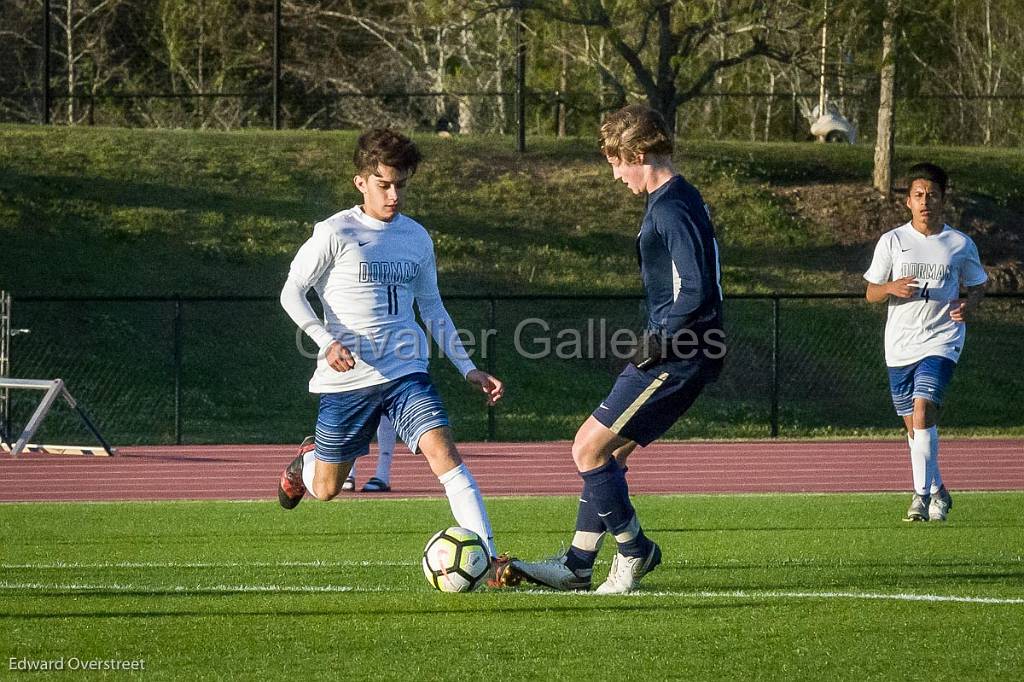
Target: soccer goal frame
[5,364]
[6,334]
[52,389]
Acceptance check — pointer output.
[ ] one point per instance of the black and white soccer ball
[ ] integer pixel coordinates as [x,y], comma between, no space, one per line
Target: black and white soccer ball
[456,560]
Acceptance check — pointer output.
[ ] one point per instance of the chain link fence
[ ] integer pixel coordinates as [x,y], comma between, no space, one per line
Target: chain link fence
[218,370]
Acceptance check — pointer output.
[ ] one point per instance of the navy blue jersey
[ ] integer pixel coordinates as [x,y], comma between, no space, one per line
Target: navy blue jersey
[679,262]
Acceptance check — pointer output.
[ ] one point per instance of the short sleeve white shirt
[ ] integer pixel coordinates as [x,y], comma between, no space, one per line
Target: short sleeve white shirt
[920,326]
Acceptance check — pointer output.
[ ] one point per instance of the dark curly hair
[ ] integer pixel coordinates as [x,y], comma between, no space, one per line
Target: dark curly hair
[383,146]
[927,171]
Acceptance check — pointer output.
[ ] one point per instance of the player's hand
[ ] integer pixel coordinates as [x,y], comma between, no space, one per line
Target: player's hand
[904,288]
[492,387]
[958,310]
[339,358]
[649,350]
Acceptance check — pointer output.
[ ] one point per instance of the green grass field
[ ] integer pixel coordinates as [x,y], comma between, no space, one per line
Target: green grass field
[754,586]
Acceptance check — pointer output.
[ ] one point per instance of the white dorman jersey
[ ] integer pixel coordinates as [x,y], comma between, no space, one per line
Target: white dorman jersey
[367,274]
[920,326]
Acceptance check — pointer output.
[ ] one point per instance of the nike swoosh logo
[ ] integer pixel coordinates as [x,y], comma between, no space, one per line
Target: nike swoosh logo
[604,407]
[901,250]
[434,414]
[363,243]
[604,515]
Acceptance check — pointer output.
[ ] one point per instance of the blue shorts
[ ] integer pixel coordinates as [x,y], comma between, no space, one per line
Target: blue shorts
[348,421]
[925,378]
[643,405]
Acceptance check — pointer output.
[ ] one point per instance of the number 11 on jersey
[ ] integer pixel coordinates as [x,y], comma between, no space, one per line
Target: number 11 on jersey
[392,300]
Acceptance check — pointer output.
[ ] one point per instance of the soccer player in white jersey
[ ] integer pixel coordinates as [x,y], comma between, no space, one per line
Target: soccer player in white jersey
[918,269]
[368,264]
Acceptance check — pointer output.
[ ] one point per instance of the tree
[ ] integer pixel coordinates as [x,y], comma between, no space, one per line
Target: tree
[82,44]
[20,47]
[208,46]
[84,61]
[432,46]
[884,142]
[675,49]
[978,61]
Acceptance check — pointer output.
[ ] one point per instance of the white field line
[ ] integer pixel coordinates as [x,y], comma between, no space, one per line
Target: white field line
[184,589]
[62,565]
[318,589]
[372,563]
[757,594]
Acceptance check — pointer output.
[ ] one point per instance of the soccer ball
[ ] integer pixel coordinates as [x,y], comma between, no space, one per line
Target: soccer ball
[455,560]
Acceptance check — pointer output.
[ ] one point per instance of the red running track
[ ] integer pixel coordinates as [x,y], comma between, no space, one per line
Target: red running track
[235,472]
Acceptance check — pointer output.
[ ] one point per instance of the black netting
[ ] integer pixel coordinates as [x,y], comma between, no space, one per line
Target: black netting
[244,373]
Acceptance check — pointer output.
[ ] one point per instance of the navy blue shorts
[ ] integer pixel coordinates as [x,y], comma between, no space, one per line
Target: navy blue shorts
[348,421]
[926,378]
[643,405]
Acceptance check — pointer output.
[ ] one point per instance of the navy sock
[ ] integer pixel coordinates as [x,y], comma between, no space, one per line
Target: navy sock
[586,543]
[609,493]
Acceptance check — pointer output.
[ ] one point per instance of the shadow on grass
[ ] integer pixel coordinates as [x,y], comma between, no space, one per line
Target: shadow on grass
[840,564]
[825,526]
[117,192]
[589,605]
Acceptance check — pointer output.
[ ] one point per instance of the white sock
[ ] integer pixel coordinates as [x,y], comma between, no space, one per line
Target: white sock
[308,471]
[467,504]
[920,453]
[934,476]
[386,446]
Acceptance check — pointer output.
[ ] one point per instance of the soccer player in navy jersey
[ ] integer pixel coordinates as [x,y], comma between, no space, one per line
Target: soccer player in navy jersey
[368,264]
[680,351]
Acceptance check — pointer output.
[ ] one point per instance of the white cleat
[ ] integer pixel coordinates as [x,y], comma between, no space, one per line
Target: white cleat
[627,571]
[552,573]
[940,505]
[918,508]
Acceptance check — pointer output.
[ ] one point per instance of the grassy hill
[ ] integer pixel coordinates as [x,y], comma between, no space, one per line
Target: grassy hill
[90,212]
[158,212]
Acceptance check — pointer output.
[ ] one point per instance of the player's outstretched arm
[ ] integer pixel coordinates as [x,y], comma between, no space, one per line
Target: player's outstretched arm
[492,387]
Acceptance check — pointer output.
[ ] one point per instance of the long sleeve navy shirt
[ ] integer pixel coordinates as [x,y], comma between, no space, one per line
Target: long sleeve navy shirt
[679,261]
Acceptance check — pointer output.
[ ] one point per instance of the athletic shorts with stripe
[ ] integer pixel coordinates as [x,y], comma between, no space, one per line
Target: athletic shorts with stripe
[644,404]
[926,378]
[348,420]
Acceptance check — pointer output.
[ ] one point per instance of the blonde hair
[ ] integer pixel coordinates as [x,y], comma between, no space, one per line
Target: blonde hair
[634,130]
